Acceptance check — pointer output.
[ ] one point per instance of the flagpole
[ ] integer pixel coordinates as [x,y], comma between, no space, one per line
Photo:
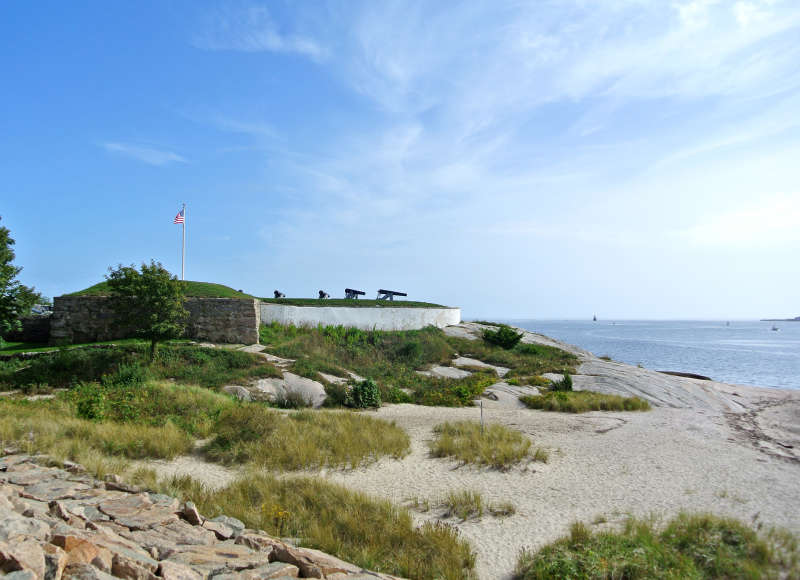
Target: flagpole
[183,251]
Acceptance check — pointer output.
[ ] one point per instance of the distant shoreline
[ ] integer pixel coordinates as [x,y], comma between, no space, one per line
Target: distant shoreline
[796,319]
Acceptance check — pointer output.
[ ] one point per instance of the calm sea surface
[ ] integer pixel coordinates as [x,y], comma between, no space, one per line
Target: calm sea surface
[745,352]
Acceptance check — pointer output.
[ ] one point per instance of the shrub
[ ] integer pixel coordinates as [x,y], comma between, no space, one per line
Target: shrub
[89,401]
[397,395]
[565,384]
[364,395]
[505,337]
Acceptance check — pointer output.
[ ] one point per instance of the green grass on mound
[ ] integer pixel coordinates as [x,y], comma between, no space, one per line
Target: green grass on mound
[339,302]
[391,359]
[207,367]
[583,401]
[701,546]
[192,289]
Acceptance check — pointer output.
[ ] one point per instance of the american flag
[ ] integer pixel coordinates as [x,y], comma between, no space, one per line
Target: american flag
[178,218]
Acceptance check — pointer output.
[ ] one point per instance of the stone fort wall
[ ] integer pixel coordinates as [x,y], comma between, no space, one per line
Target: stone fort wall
[79,319]
[365,318]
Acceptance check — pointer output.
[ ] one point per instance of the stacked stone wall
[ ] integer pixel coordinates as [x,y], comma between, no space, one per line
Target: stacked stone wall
[230,320]
[79,319]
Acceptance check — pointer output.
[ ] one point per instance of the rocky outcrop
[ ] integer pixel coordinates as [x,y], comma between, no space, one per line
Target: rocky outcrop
[58,524]
[596,374]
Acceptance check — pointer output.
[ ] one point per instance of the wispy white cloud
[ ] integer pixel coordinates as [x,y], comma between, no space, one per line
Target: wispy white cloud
[147,155]
[772,221]
[249,27]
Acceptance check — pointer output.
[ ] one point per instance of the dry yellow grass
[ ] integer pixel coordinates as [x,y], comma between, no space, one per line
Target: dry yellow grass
[496,446]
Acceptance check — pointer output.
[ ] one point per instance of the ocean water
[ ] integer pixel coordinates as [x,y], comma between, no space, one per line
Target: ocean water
[743,352]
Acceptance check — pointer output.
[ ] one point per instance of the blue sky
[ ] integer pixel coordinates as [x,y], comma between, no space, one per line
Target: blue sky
[540,159]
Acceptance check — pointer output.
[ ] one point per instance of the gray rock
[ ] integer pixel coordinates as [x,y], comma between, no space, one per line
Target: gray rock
[191,514]
[55,560]
[20,575]
[174,571]
[238,391]
[222,531]
[14,525]
[273,389]
[236,525]
[473,362]
[51,489]
[445,372]
[84,572]
[22,555]
[219,558]
[271,571]
[137,512]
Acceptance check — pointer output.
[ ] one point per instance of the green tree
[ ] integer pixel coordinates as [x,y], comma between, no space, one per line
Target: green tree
[150,301]
[16,299]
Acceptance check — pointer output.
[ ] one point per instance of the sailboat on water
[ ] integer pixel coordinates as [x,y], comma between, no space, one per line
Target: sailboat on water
[594,318]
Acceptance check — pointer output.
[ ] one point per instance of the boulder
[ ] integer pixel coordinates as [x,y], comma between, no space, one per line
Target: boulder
[273,389]
[174,571]
[445,372]
[137,512]
[273,570]
[84,572]
[50,489]
[236,525]
[55,560]
[191,514]
[14,525]
[238,391]
[219,558]
[25,555]
[221,530]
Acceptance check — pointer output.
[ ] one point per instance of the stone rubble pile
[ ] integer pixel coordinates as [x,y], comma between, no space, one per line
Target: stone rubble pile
[64,524]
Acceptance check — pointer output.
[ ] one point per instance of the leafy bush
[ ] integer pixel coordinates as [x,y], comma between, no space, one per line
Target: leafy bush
[364,395]
[89,401]
[396,395]
[505,336]
[565,384]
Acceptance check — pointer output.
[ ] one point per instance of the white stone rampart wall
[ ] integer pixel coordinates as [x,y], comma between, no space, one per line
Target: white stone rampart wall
[379,318]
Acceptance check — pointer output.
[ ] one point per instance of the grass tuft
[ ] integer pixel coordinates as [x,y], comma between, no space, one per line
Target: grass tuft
[465,504]
[303,440]
[498,447]
[583,401]
[689,546]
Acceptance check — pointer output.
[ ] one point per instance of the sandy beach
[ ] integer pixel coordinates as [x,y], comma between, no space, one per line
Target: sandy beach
[727,449]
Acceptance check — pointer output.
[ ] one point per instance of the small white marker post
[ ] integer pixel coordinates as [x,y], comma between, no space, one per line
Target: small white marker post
[481,417]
